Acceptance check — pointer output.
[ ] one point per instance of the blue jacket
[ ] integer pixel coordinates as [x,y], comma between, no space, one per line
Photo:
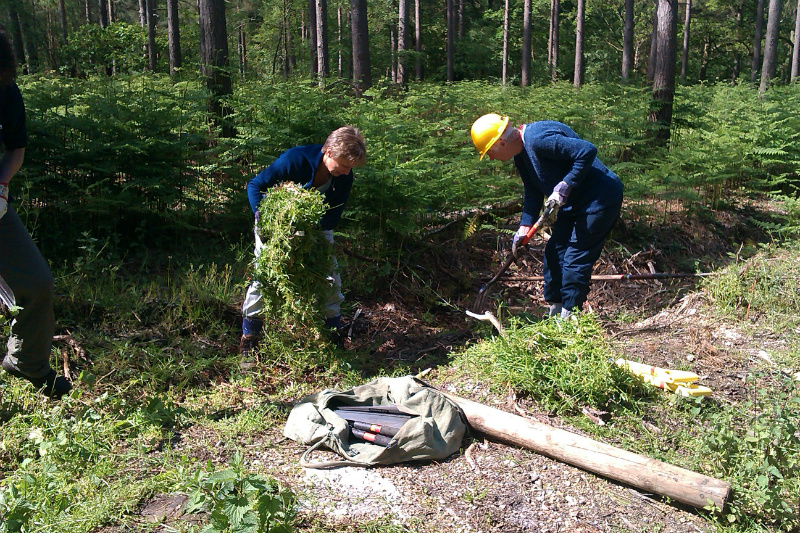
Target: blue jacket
[554,153]
[298,165]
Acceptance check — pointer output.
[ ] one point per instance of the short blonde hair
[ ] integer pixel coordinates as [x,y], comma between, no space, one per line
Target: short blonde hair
[347,143]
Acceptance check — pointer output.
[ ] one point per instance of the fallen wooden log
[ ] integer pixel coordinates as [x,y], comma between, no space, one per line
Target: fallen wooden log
[622,277]
[633,469]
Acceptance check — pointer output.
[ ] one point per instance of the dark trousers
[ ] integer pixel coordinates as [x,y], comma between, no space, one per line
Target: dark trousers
[570,254]
[28,275]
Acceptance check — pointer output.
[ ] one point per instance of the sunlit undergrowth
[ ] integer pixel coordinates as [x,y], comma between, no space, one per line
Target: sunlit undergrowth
[421,163]
[562,364]
[763,289]
[755,446]
[73,467]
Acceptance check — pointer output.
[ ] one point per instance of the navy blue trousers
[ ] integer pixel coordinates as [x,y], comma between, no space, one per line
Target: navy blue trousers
[570,254]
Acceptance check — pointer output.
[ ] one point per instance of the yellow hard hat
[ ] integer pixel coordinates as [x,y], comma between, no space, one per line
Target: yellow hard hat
[486,130]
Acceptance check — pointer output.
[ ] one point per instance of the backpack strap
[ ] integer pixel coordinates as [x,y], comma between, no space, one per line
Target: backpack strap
[306,463]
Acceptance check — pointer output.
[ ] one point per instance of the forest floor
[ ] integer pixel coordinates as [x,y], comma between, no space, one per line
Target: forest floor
[495,487]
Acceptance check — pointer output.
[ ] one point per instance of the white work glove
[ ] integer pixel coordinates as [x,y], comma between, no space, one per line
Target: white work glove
[3,199]
[559,195]
[518,236]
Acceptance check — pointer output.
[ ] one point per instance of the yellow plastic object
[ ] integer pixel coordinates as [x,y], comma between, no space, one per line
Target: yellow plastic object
[486,130]
[692,390]
[680,382]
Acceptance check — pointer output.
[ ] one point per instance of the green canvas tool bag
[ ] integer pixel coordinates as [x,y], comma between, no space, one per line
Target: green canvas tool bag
[435,433]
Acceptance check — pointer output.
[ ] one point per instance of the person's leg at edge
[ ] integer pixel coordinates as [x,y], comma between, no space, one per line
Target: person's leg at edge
[252,313]
[30,279]
[334,299]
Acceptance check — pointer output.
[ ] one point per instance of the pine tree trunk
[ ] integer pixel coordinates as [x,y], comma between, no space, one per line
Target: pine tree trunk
[757,42]
[505,42]
[402,42]
[627,41]
[291,56]
[174,36]
[102,13]
[685,54]
[736,58]
[62,20]
[16,38]
[88,10]
[552,47]
[462,26]
[143,13]
[796,48]
[450,24]
[770,46]
[51,45]
[151,35]
[418,37]
[312,38]
[653,44]
[660,114]
[276,56]
[29,43]
[339,40]
[704,60]
[392,53]
[525,77]
[112,12]
[241,50]
[362,76]
[323,65]
[577,80]
[214,59]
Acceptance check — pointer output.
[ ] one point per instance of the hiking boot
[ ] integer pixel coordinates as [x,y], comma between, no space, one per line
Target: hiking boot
[337,337]
[247,349]
[567,314]
[51,385]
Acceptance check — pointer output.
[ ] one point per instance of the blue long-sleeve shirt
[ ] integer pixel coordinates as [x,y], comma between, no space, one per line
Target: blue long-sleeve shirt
[554,153]
[298,165]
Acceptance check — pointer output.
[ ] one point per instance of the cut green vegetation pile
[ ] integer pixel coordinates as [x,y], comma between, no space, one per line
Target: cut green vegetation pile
[294,264]
[766,286]
[562,364]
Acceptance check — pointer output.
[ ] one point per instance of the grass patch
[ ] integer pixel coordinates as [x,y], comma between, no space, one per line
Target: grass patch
[764,289]
[561,364]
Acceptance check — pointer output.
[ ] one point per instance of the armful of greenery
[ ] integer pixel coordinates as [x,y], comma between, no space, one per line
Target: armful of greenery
[296,260]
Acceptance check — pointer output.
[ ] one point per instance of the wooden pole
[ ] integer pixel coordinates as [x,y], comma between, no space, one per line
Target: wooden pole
[636,470]
[623,277]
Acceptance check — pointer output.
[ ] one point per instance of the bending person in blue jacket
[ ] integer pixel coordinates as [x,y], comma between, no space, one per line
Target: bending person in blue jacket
[554,163]
[328,168]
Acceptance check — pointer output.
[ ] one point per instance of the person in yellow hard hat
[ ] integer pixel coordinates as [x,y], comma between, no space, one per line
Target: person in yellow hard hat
[557,165]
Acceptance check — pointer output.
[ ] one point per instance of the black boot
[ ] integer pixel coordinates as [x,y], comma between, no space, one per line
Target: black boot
[337,333]
[247,349]
[51,385]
